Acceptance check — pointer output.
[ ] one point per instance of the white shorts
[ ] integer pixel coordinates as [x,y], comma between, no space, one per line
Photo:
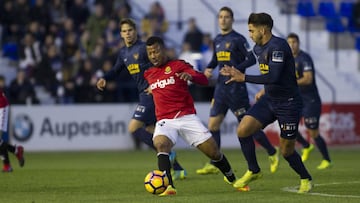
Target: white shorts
[189,127]
[4,118]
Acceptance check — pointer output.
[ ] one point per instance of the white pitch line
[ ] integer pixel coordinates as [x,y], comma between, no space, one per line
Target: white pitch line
[295,189]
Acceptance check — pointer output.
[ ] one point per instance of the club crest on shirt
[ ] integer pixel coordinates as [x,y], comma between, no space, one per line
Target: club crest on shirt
[168,70]
[227,45]
[136,56]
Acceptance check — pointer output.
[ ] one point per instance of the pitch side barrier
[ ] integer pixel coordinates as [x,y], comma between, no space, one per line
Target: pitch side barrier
[104,127]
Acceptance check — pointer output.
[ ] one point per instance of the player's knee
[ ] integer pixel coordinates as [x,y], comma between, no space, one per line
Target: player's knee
[162,144]
[131,129]
[287,150]
[313,133]
[214,126]
[242,131]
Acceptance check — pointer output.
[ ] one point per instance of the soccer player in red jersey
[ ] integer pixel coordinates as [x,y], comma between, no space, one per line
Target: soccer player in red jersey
[175,111]
[5,147]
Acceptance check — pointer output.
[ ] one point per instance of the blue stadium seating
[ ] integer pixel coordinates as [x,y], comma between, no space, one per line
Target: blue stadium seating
[327,9]
[357,44]
[305,8]
[10,50]
[346,9]
[335,25]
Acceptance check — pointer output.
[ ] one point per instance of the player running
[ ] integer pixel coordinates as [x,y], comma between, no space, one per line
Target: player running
[175,111]
[232,49]
[4,146]
[133,57]
[305,73]
[279,100]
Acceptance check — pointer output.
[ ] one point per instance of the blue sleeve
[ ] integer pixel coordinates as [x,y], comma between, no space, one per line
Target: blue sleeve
[249,61]
[272,76]
[244,48]
[213,63]
[116,69]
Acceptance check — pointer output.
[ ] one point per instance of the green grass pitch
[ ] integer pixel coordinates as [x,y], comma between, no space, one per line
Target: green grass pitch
[117,176]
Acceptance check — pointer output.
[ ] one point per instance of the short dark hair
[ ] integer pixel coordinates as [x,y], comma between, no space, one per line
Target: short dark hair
[261,19]
[294,36]
[229,10]
[155,40]
[129,22]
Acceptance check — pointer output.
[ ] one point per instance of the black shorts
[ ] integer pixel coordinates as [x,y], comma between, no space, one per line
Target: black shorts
[286,112]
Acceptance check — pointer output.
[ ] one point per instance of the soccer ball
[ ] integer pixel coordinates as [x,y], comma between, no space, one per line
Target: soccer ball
[156,182]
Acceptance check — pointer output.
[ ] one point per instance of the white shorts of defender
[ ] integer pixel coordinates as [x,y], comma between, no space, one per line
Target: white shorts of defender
[189,127]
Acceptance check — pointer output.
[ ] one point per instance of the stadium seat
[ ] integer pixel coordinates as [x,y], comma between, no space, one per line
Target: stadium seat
[305,8]
[335,25]
[346,9]
[357,44]
[10,50]
[327,9]
[352,27]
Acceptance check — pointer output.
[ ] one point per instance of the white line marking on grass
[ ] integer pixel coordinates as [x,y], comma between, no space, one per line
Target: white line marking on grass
[295,189]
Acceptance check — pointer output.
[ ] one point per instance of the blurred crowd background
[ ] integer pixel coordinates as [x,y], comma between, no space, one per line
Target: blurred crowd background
[61,47]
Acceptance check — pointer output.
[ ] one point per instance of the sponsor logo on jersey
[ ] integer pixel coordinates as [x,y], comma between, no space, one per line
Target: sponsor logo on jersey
[223,56]
[278,56]
[264,68]
[133,68]
[163,83]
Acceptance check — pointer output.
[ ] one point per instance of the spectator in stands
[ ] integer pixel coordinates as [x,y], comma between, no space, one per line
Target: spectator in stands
[22,9]
[79,13]
[193,36]
[57,11]
[11,31]
[123,10]
[40,13]
[66,87]
[47,69]
[21,90]
[85,83]
[112,36]
[188,55]
[107,6]
[69,47]
[154,23]
[66,28]
[356,14]
[34,28]
[96,25]
[207,50]
[29,53]
[97,56]
[109,94]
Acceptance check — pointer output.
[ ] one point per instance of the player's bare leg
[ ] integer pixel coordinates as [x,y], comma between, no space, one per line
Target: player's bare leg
[214,127]
[218,159]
